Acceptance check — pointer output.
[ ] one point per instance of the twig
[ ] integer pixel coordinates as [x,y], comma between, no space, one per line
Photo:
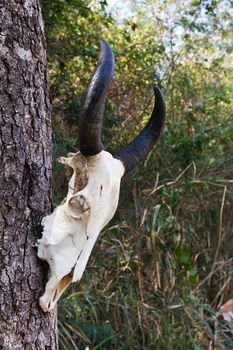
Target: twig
[219,234]
[207,277]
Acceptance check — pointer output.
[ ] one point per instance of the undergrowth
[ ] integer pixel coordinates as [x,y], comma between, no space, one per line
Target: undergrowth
[161,269]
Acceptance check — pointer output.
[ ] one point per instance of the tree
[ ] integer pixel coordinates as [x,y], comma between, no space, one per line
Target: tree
[25,183]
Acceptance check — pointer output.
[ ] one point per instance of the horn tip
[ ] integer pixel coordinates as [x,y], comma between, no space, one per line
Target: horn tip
[103,43]
[159,98]
[157,91]
[106,47]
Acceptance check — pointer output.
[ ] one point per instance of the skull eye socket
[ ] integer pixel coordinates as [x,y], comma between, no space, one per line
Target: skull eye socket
[77,206]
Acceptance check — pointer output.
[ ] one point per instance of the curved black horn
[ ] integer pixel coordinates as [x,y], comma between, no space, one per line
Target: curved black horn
[91,115]
[132,154]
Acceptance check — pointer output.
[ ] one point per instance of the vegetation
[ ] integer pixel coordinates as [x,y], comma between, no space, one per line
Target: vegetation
[163,266]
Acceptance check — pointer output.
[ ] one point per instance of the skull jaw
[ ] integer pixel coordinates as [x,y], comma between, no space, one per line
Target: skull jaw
[53,292]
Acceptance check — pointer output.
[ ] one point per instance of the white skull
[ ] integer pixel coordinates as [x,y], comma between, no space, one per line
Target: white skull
[71,230]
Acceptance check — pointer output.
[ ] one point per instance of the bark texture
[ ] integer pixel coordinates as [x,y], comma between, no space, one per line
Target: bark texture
[25,181]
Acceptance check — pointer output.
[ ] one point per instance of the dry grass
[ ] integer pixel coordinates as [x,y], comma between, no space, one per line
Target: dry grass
[160,270]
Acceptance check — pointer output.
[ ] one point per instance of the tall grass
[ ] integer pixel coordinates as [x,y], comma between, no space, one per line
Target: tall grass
[163,266]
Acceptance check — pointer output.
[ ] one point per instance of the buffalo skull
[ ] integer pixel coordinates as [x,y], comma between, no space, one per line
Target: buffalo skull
[70,232]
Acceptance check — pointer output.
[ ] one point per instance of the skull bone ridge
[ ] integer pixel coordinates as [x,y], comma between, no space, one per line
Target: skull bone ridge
[70,232]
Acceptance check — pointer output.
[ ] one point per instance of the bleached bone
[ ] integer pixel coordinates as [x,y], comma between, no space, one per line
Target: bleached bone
[70,232]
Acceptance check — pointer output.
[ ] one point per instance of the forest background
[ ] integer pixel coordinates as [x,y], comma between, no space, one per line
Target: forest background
[163,266]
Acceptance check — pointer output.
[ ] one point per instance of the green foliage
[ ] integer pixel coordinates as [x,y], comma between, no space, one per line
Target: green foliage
[163,266]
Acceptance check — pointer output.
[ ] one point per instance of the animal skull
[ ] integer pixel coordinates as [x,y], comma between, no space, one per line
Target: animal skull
[70,232]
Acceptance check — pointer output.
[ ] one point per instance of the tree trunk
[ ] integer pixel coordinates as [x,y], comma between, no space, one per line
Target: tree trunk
[25,182]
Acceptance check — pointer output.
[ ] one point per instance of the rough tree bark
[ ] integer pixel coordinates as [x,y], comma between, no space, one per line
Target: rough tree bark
[25,181]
